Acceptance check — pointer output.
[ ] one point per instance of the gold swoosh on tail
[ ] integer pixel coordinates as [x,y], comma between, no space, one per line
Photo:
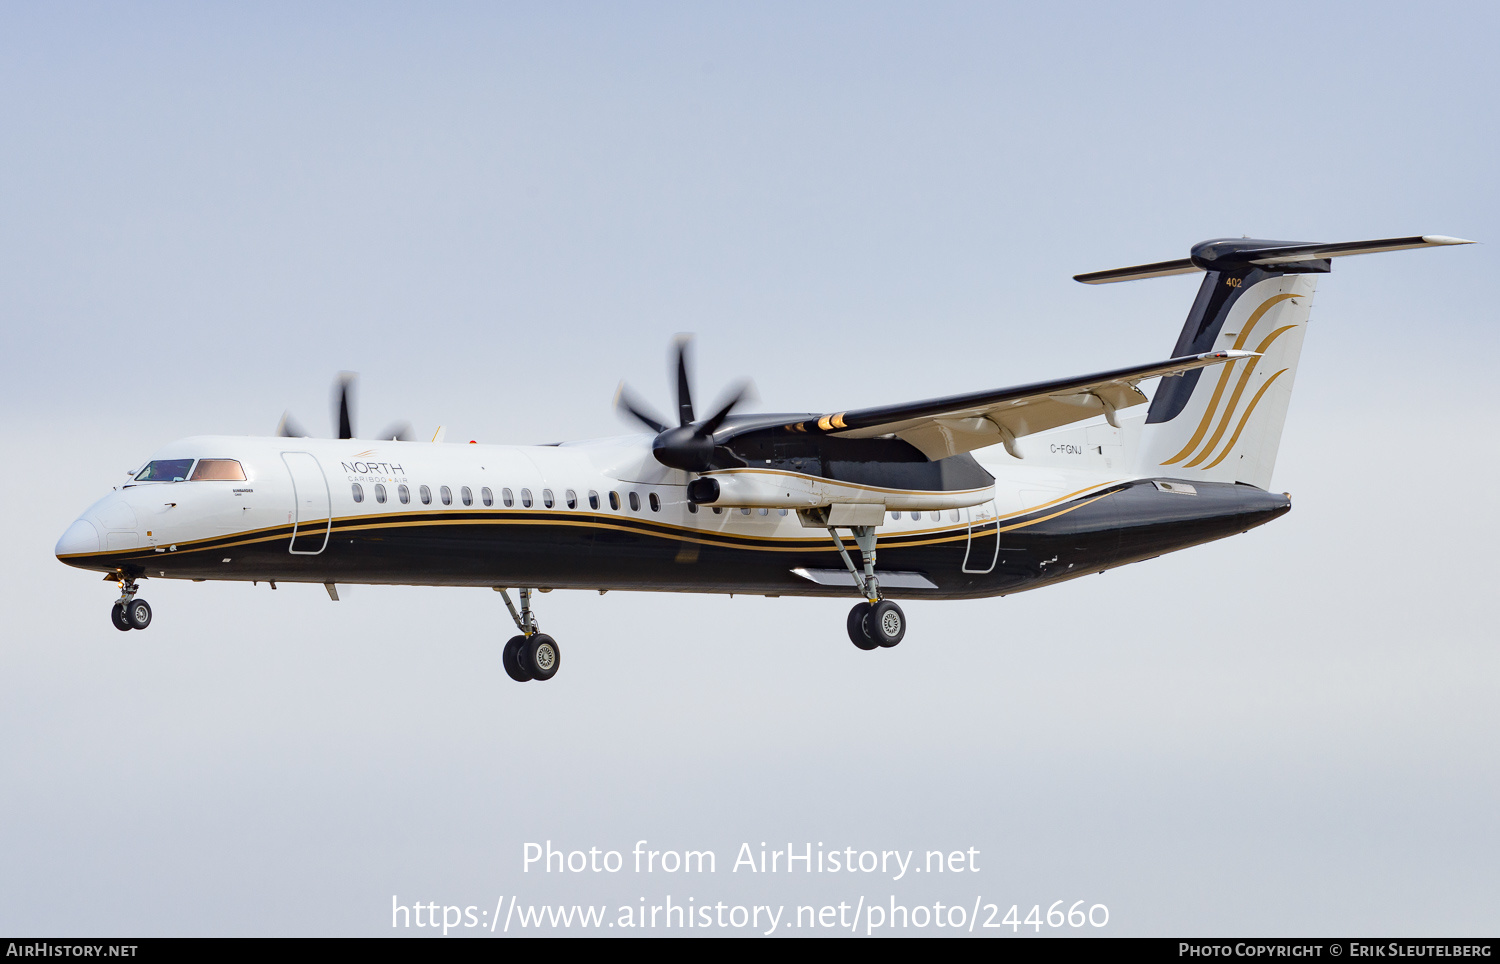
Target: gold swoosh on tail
[1234,399]
[1243,419]
[1213,404]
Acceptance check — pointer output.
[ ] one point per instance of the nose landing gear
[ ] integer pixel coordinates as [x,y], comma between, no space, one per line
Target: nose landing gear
[129,612]
[533,655]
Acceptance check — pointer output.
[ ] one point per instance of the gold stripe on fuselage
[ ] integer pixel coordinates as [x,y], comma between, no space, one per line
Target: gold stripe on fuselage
[551,517]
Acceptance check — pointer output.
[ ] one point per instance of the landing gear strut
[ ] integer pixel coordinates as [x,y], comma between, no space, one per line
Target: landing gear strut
[129,612]
[533,655]
[876,622]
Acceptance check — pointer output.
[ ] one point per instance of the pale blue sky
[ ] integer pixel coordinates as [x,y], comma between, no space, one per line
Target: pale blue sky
[496,212]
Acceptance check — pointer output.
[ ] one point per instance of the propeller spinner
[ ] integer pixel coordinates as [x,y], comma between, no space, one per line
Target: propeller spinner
[343,415]
[689,446]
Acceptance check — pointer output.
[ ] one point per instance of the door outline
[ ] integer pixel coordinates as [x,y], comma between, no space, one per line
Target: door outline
[969,546]
[291,546]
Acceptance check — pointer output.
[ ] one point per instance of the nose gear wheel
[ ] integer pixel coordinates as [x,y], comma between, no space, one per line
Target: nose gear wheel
[128,612]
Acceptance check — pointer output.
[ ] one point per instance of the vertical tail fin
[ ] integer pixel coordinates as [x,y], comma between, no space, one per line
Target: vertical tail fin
[1225,425]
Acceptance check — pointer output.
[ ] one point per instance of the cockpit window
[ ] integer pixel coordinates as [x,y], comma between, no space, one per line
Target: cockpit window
[165,470]
[218,470]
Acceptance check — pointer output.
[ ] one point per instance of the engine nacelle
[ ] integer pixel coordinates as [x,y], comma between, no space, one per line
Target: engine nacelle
[771,489]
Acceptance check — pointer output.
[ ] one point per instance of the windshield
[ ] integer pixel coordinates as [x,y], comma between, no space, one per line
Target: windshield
[165,470]
[218,470]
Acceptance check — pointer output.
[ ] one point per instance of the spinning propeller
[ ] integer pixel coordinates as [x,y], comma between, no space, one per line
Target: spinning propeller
[689,446]
[343,405]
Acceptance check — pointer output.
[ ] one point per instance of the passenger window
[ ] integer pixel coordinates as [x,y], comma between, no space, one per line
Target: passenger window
[953,515]
[525,498]
[635,502]
[895,516]
[745,510]
[655,502]
[218,470]
[693,508]
[783,512]
[572,498]
[359,492]
[614,501]
[765,511]
[487,496]
[403,493]
[593,499]
[718,510]
[426,495]
[507,497]
[916,517]
[546,498]
[447,495]
[380,493]
[467,495]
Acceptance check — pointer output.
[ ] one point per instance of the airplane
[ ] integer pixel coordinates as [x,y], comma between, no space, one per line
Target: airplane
[974,495]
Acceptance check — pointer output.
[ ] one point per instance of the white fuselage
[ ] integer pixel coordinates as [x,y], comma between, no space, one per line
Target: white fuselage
[605,478]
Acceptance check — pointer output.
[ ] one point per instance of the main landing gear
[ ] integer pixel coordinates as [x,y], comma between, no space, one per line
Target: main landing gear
[129,612]
[876,622]
[533,655]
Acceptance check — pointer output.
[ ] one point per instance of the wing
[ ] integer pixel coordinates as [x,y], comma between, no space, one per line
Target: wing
[941,427]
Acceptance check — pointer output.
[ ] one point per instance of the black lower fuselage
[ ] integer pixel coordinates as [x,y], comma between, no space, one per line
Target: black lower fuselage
[559,548]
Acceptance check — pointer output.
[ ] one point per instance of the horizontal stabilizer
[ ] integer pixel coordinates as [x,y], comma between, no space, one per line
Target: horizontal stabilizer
[1244,253]
[1159,269]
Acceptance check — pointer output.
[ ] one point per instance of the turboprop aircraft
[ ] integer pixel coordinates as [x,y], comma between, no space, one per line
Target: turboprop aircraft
[972,495]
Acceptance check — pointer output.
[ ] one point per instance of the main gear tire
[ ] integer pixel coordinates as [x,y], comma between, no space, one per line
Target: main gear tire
[541,656]
[885,623]
[857,634]
[510,658]
[117,616]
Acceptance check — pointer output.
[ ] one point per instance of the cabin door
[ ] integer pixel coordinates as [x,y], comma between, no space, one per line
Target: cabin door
[983,547]
[312,516]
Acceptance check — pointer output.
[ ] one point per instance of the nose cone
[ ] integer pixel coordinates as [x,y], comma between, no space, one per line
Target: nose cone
[80,537]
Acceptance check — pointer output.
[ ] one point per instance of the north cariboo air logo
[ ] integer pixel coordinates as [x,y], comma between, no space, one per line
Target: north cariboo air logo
[373,468]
